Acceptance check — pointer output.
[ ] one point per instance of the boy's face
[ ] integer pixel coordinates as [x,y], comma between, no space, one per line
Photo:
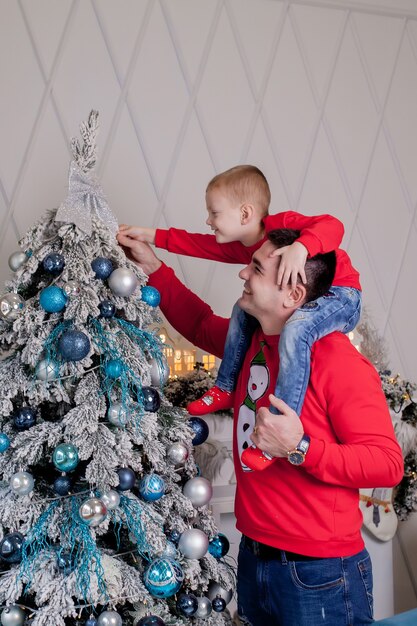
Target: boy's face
[223,216]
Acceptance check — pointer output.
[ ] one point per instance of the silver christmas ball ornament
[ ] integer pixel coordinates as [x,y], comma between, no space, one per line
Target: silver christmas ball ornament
[204,607]
[122,282]
[177,453]
[11,305]
[193,543]
[92,511]
[109,618]
[22,483]
[16,260]
[116,414]
[111,499]
[198,490]
[47,370]
[12,616]
[159,371]
[71,288]
[214,589]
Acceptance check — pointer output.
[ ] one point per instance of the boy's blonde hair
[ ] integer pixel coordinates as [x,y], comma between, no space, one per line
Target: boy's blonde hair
[244,183]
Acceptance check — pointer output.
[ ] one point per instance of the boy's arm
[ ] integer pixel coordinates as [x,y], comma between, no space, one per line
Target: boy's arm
[202,246]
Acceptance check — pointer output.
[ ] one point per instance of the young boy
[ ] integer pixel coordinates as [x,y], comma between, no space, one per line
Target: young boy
[237,204]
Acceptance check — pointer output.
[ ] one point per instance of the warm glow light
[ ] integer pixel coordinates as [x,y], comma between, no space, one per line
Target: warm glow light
[163,338]
[178,355]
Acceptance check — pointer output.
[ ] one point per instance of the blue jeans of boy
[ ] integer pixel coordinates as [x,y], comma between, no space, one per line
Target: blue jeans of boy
[339,309]
[281,592]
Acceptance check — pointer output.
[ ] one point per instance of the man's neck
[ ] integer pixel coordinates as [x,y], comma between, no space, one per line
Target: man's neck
[272,326]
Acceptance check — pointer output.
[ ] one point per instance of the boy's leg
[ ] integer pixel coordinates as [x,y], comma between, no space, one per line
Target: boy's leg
[337,310]
[239,334]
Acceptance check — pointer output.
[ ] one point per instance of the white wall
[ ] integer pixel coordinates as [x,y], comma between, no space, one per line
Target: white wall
[320,94]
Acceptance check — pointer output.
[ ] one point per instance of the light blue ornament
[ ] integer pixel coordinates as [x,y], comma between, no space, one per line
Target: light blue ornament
[4,442]
[73,345]
[65,457]
[53,299]
[150,295]
[152,487]
[163,577]
[114,368]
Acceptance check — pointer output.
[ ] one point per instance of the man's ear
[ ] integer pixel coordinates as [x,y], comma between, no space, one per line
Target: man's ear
[246,213]
[295,297]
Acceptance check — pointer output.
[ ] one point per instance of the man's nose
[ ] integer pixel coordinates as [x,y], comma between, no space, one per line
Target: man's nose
[243,274]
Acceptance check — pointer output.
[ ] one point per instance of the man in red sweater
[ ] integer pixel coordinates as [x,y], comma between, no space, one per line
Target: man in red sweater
[302,559]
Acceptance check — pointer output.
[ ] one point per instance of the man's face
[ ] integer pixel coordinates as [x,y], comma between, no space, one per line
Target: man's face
[223,216]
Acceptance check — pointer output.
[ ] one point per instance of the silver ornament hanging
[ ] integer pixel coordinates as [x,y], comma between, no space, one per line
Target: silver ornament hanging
[198,490]
[109,618]
[111,499]
[22,483]
[214,589]
[193,543]
[71,288]
[204,607]
[116,414]
[159,372]
[122,282]
[11,305]
[16,260]
[47,370]
[12,616]
[177,453]
[92,511]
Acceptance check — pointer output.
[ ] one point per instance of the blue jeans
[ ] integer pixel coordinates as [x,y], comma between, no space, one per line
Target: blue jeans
[339,309]
[324,592]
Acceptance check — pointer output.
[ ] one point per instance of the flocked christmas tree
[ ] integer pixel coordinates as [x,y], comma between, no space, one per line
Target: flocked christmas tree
[103,516]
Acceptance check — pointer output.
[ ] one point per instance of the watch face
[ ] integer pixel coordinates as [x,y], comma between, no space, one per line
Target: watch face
[296,458]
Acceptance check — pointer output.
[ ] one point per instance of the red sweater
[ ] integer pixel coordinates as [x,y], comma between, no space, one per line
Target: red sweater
[312,509]
[319,234]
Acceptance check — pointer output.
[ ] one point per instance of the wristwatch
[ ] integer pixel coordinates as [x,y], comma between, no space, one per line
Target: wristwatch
[298,455]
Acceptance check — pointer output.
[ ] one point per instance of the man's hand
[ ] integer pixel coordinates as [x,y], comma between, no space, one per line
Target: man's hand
[277,434]
[140,253]
[293,260]
[138,233]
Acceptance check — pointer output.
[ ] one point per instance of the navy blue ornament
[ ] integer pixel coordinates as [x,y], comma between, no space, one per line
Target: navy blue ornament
[53,299]
[73,345]
[150,295]
[53,263]
[4,442]
[151,399]
[24,418]
[127,478]
[62,486]
[66,562]
[218,604]
[114,368]
[107,308]
[219,546]
[11,547]
[200,428]
[163,577]
[91,622]
[187,604]
[173,535]
[150,620]
[152,487]
[102,267]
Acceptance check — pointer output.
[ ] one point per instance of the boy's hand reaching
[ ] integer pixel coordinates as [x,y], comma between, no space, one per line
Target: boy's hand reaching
[138,233]
[293,259]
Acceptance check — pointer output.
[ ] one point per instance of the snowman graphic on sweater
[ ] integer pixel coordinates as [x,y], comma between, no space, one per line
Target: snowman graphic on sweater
[258,384]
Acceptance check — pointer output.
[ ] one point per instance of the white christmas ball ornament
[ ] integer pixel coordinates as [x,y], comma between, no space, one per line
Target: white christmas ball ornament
[193,543]
[47,370]
[159,372]
[109,618]
[16,260]
[22,483]
[71,288]
[92,511]
[198,490]
[12,616]
[11,305]
[111,499]
[122,282]
[204,607]
[177,453]
[116,414]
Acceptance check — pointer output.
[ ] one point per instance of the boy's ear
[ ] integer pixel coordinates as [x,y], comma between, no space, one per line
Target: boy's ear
[246,213]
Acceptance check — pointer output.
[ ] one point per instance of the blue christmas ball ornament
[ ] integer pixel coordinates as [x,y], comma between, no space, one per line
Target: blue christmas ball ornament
[114,368]
[187,604]
[150,620]
[53,299]
[107,308]
[4,442]
[73,345]
[102,267]
[218,604]
[24,418]
[65,457]
[91,622]
[163,577]
[62,485]
[173,535]
[11,547]
[152,487]
[151,399]
[127,478]
[200,428]
[66,562]
[54,263]
[150,295]
[219,546]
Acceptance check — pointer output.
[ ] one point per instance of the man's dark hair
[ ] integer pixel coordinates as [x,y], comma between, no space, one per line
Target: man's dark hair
[319,269]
